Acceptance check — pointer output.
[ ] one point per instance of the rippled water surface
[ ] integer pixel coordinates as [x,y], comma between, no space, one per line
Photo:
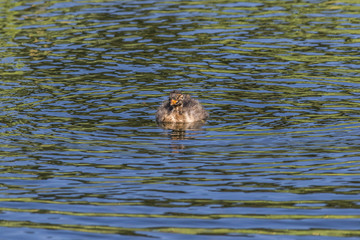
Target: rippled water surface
[83,158]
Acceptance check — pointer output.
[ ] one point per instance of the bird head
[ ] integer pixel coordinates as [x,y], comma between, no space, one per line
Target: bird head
[176,98]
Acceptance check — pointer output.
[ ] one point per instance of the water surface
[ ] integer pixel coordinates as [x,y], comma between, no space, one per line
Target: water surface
[82,156]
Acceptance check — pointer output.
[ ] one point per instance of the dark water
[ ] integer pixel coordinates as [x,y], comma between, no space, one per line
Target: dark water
[81,154]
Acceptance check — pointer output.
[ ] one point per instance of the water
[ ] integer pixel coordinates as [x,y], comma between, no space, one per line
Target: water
[81,154]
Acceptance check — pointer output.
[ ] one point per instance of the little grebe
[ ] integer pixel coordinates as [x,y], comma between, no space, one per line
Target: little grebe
[181,108]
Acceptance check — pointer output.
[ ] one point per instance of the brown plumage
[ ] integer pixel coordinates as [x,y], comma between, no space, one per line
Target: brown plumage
[181,108]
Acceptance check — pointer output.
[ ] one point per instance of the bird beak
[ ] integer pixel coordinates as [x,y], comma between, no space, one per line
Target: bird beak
[173,102]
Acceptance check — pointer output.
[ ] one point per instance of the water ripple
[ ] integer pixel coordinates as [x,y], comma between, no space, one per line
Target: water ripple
[82,157]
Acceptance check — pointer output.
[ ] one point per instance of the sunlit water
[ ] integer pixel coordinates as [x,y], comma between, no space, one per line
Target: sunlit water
[81,154]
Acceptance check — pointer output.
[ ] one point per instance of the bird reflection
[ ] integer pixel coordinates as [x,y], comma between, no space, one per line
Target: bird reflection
[181,131]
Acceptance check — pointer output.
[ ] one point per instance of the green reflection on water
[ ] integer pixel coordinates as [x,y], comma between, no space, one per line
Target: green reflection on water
[182,215]
[260,68]
[192,231]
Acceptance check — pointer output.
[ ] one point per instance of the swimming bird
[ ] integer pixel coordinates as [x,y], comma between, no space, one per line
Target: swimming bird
[180,108]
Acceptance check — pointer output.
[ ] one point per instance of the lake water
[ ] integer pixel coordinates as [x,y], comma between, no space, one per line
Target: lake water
[83,158]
